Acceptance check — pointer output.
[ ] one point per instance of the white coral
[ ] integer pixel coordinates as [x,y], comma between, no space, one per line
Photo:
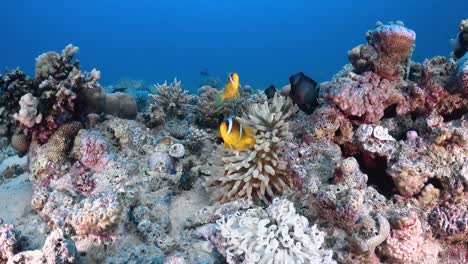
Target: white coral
[275,235]
[28,113]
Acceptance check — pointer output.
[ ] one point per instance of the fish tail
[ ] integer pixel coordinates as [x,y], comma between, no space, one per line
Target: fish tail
[219,98]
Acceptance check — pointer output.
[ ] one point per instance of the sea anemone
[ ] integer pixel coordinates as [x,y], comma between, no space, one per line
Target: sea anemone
[259,172]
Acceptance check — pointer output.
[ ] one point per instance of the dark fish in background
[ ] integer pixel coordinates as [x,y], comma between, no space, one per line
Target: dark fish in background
[119,89]
[204,72]
[304,92]
[270,91]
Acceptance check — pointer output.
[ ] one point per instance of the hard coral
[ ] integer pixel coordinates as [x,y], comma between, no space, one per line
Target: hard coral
[394,44]
[407,244]
[92,149]
[61,141]
[57,249]
[259,172]
[450,220]
[172,98]
[28,114]
[277,235]
[462,70]
[211,114]
[96,216]
[363,58]
[7,242]
[364,98]
[13,86]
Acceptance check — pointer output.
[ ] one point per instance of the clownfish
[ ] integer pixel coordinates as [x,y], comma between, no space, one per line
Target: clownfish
[236,135]
[231,89]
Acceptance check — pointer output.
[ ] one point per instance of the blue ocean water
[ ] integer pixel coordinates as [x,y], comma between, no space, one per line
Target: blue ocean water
[264,41]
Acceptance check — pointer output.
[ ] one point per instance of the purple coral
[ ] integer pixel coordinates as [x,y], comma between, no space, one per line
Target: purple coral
[393,43]
[92,149]
[450,220]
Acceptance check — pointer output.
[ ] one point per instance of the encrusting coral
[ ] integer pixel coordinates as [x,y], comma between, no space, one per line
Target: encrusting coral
[275,235]
[258,173]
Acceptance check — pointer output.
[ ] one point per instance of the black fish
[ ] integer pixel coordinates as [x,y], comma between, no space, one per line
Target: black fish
[270,91]
[304,92]
[119,89]
[462,46]
[204,72]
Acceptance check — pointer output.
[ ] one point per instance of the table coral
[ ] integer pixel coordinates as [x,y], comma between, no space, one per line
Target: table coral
[258,172]
[277,234]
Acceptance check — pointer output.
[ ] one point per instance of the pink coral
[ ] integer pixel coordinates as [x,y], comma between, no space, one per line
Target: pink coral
[407,244]
[450,220]
[7,242]
[92,149]
[364,98]
[393,43]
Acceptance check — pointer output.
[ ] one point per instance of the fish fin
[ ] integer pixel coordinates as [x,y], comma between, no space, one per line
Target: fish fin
[240,131]
[219,98]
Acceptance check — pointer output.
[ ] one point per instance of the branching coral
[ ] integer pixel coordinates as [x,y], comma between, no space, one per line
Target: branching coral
[260,171]
[172,98]
[275,235]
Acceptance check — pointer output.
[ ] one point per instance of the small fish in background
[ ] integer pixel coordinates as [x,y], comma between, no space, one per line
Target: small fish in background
[204,72]
[231,89]
[304,92]
[270,91]
[236,135]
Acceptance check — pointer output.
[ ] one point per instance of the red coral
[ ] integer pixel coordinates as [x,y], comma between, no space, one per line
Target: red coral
[394,44]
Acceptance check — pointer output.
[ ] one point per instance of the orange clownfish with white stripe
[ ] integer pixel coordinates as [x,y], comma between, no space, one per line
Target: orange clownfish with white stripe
[231,89]
[236,135]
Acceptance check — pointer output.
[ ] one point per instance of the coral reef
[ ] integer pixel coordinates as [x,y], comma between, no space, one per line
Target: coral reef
[277,234]
[258,172]
[373,170]
[172,99]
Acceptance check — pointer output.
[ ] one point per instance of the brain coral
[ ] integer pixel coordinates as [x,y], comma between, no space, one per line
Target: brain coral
[275,235]
[258,172]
